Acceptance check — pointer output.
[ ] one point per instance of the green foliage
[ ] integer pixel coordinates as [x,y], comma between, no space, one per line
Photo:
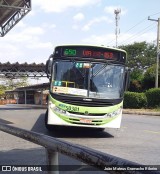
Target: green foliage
[149,99]
[135,86]
[149,78]
[136,74]
[141,55]
[2,91]
[135,100]
[15,83]
[11,84]
[153,97]
[136,77]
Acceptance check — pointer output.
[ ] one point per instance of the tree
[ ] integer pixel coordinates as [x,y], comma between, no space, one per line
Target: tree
[2,91]
[11,84]
[141,55]
[136,78]
[149,78]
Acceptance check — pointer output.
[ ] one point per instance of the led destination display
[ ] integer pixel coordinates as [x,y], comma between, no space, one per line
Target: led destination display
[90,52]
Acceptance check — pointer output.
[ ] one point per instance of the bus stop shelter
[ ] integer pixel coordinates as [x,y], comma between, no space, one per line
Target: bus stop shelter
[33,94]
[11,12]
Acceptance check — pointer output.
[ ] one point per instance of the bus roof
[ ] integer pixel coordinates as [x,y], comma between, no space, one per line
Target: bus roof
[87,45]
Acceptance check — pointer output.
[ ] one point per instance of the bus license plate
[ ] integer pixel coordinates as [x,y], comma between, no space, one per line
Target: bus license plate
[82,120]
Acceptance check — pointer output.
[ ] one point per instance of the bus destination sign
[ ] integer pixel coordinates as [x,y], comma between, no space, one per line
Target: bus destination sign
[90,52]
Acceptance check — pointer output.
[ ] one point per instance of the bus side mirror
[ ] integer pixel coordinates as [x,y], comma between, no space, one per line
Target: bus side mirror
[127,79]
[49,66]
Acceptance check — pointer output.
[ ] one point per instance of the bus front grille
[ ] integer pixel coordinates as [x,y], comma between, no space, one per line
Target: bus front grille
[86,103]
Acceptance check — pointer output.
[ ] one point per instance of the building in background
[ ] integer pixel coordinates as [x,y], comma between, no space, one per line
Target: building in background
[34,94]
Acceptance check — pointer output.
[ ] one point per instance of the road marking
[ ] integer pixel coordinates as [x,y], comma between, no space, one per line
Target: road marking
[154,132]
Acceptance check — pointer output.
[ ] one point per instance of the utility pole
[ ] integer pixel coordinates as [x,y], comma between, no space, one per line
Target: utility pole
[116,12]
[158,49]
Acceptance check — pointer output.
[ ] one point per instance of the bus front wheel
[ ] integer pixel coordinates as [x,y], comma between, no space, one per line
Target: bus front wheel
[49,127]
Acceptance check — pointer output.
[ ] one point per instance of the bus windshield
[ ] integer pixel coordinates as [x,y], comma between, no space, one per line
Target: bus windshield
[88,79]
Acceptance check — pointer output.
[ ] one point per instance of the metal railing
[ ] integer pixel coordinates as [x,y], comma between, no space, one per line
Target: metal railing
[86,155]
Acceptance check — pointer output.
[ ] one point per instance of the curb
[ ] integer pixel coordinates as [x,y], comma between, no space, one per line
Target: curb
[28,106]
[141,113]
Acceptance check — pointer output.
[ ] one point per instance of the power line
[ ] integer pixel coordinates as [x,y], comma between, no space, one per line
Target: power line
[136,34]
[140,22]
[148,28]
[136,25]
[155,14]
[130,29]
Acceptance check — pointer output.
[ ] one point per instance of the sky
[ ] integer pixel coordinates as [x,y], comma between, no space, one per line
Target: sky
[59,22]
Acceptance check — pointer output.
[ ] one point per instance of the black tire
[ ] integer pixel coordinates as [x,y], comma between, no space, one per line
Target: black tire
[101,129]
[49,127]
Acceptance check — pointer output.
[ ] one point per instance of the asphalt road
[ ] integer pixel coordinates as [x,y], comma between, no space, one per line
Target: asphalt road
[138,140]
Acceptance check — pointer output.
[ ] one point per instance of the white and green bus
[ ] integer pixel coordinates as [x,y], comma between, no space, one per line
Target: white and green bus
[87,85]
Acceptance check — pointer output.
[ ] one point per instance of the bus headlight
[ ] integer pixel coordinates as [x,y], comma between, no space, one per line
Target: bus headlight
[114,113]
[51,105]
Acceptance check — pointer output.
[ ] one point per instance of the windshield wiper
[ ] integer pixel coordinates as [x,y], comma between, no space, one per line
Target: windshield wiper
[98,71]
